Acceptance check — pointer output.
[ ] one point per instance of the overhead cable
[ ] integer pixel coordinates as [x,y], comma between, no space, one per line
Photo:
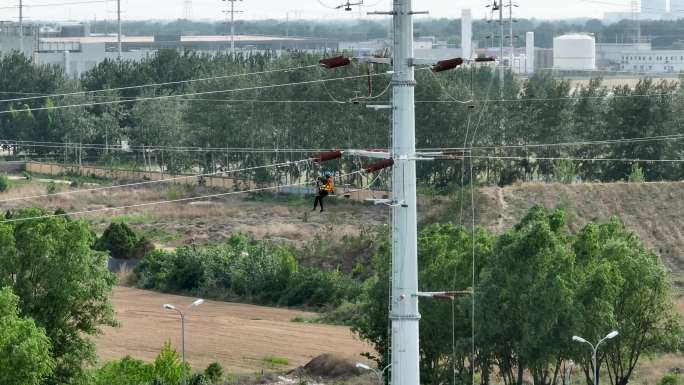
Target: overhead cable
[164,97]
[156,84]
[147,204]
[146,183]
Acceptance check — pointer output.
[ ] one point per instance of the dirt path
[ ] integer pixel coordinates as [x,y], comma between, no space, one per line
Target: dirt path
[237,336]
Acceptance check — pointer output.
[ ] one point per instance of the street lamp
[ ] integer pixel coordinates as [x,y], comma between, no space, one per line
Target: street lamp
[380,373]
[594,349]
[168,306]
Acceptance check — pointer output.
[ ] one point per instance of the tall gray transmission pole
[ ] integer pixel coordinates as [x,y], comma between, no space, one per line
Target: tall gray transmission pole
[118,22]
[404,314]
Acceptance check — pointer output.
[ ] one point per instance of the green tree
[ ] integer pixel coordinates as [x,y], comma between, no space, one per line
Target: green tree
[526,299]
[168,367]
[623,287]
[122,242]
[24,348]
[62,284]
[445,262]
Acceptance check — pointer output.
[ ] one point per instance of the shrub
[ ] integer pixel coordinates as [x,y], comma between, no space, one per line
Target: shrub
[4,183]
[637,174]
[168,367]
[565,171]
[126,371]
[52,188]
[27,175]
[671,379]
[214,372]
[259,272]
[123,243]
[275,360]
[151,272]
[313,287]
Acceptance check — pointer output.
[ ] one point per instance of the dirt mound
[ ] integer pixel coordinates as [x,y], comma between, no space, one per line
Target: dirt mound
[330,366]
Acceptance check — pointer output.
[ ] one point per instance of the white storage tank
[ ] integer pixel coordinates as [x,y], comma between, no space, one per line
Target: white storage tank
[574,52]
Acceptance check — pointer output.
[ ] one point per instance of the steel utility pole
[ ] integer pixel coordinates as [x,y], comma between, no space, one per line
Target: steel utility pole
[404,314]
[118,21]
[21,26]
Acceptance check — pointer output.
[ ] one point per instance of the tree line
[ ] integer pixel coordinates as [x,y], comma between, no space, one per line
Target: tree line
[459,108]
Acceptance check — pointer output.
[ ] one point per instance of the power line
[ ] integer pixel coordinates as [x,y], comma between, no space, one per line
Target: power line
[106,188]
[674,137]
[76,93]
[106,209]
[533,158]
[523,100]
[97,146]
[271,86]
[54,4]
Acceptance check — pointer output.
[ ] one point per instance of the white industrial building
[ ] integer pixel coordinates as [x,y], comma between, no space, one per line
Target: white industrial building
[575,52]
[660,61]
[609,55]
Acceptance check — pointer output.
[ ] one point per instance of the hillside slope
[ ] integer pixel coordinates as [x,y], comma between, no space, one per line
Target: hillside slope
[655,211]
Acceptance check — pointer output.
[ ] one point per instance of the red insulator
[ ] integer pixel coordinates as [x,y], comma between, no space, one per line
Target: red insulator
[326,156]
[484,59]
[445,65]
[334,62]
[379,165]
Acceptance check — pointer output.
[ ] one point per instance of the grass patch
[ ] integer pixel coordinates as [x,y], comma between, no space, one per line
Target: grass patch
[306,320]
[160,235]
[276,361]
[133,219]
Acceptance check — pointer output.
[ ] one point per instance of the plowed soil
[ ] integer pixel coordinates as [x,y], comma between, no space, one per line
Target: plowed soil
[240,337]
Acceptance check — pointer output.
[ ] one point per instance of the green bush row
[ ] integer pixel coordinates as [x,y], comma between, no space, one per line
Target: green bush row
[258,272]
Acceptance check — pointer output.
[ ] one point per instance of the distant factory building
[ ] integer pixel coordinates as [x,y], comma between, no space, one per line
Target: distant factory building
[660,61]
[609,55]
[78,54]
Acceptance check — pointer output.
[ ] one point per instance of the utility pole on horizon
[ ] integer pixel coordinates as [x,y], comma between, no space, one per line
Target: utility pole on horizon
[118,21]
[21,26]
[232,24]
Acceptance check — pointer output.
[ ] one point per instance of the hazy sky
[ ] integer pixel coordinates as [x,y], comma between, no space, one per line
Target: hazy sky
[302,9]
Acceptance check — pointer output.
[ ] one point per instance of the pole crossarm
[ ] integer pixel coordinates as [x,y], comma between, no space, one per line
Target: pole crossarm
[443,295]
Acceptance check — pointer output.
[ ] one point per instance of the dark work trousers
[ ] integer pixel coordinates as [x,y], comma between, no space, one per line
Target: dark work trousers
[319,199]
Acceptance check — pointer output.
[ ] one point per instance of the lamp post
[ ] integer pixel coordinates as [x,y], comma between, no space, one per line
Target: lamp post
[594,349]
[378,373]
[168,306]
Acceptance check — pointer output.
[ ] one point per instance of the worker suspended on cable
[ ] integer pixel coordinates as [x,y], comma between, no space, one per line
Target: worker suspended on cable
[326,186]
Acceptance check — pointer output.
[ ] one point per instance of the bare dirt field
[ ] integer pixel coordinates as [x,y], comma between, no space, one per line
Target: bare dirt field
[203,221]
[239,337]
